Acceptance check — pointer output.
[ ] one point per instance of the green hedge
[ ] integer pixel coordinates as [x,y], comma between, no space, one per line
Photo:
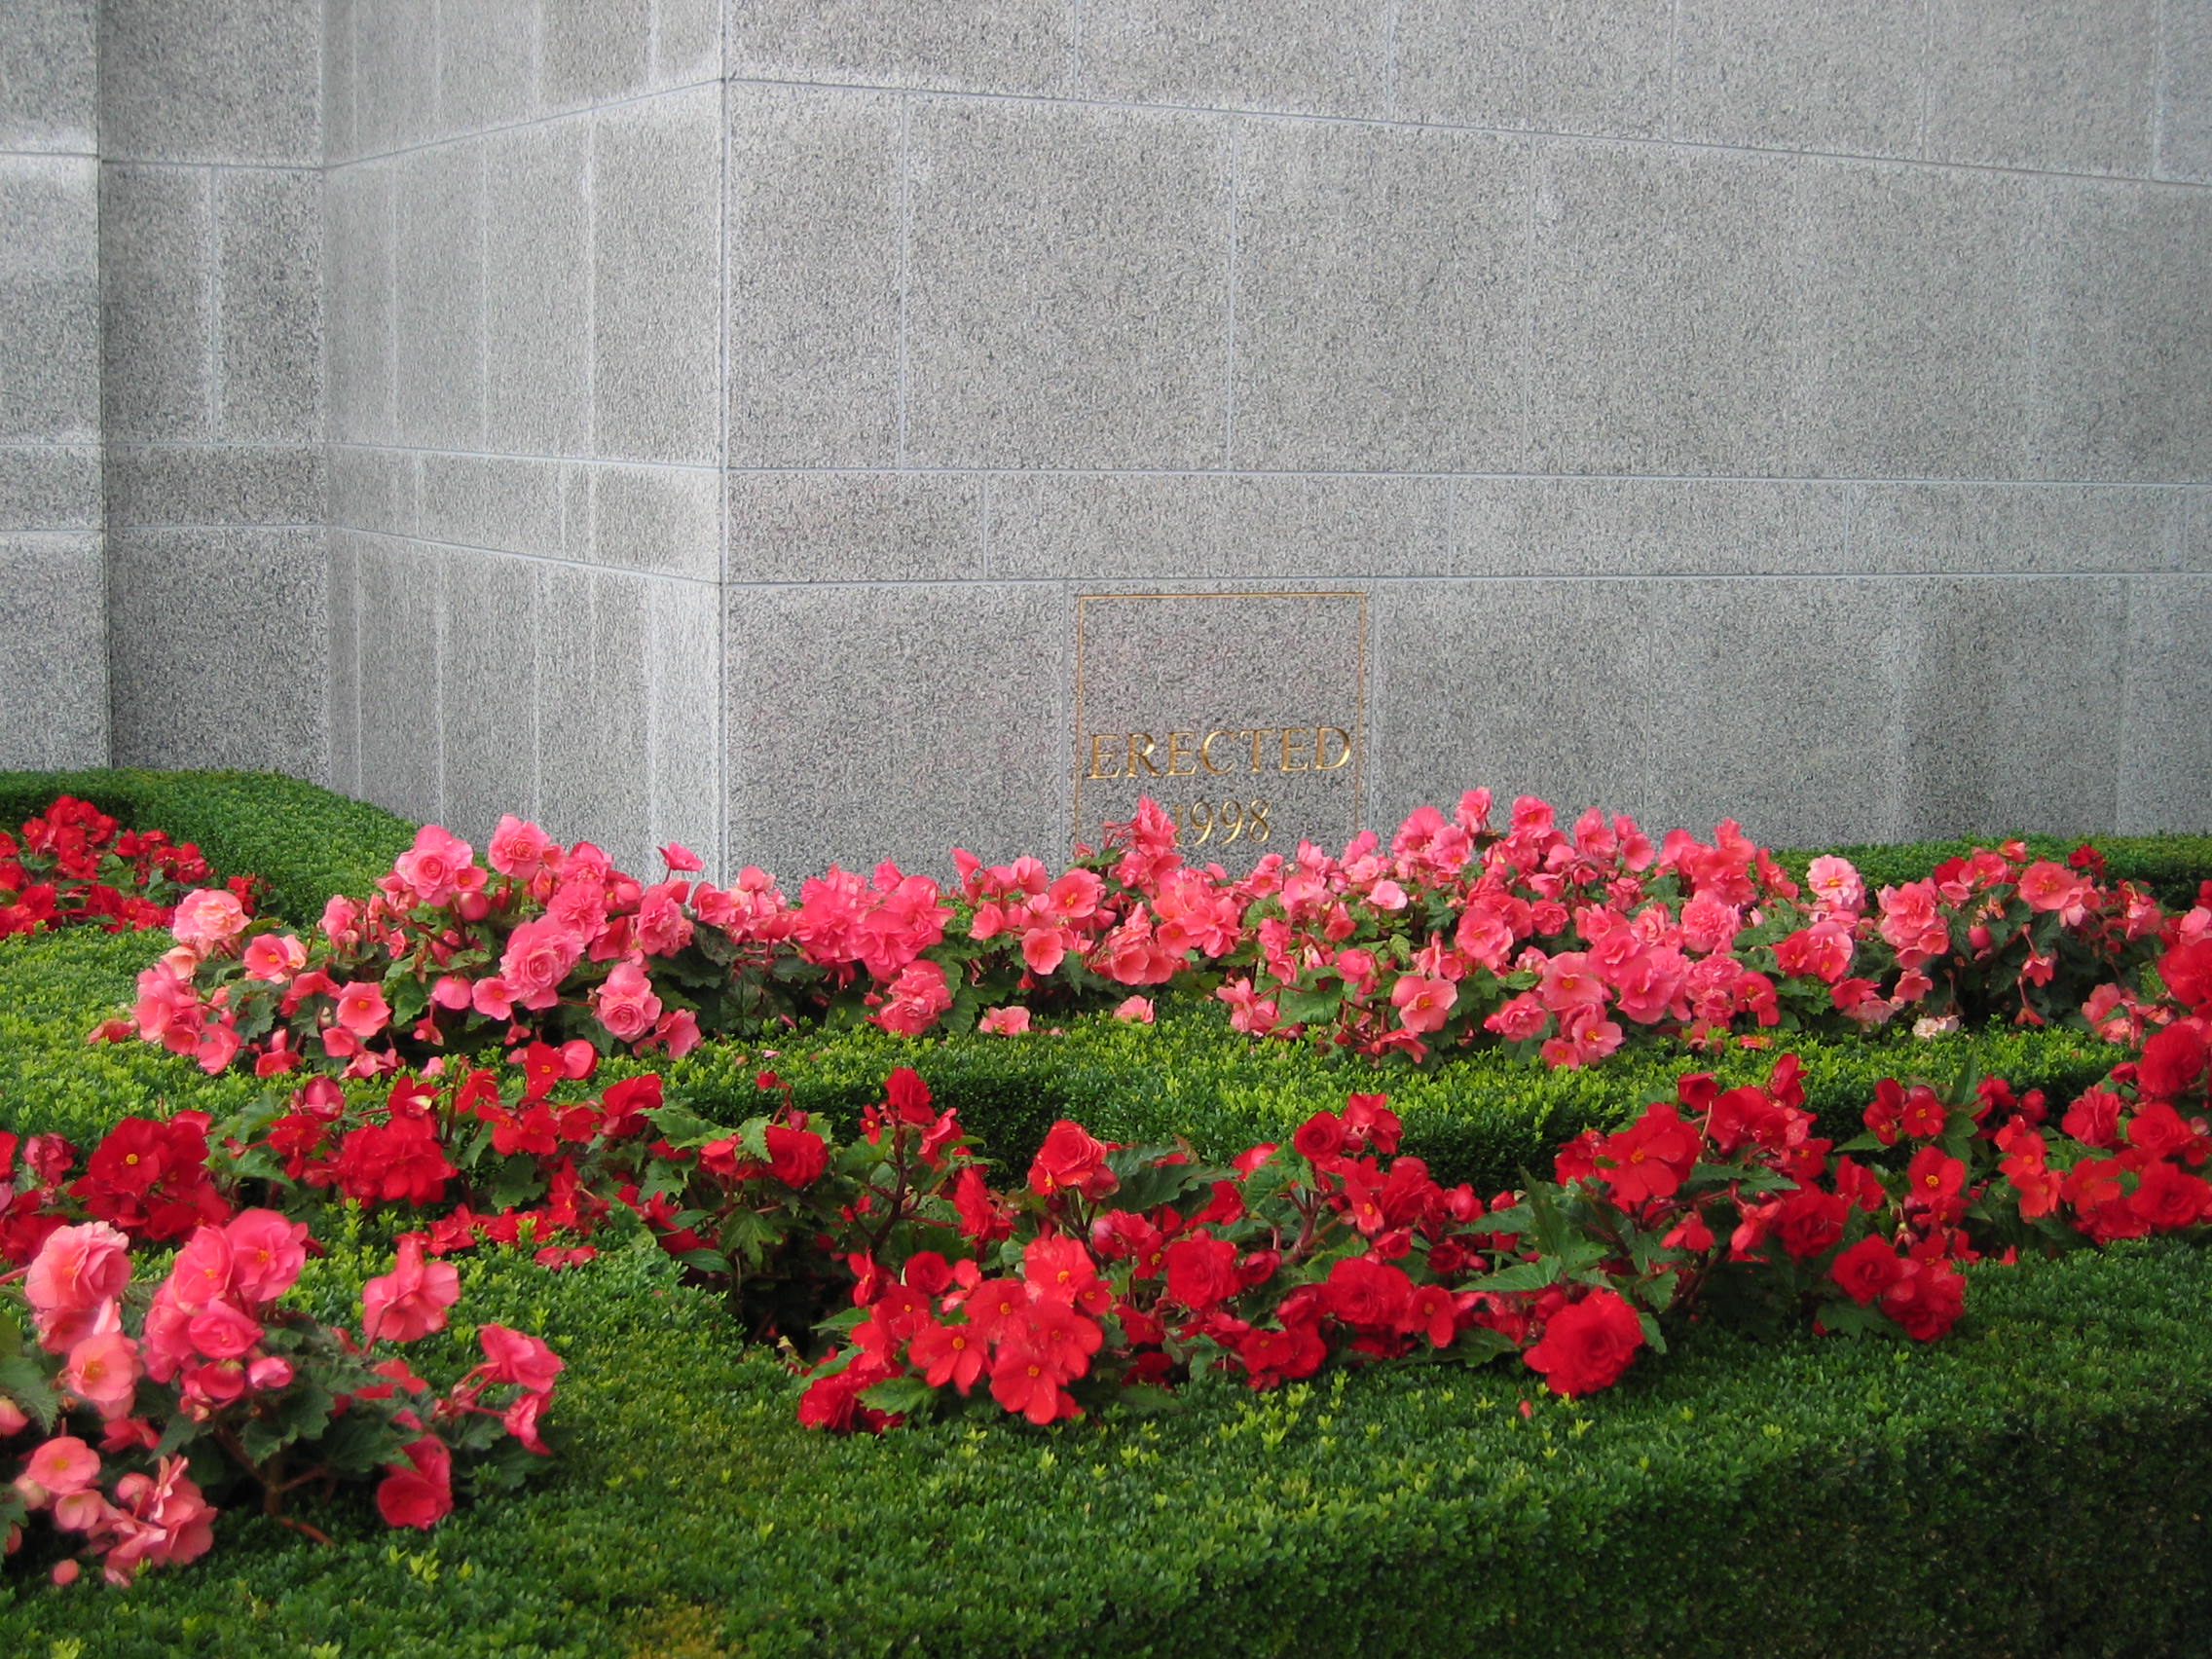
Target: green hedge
[307,842]
[2172,866]
[2036,1485]
[1483,1117]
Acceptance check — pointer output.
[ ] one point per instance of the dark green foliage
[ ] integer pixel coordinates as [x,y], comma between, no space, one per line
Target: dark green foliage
[2170,866]
[306,842]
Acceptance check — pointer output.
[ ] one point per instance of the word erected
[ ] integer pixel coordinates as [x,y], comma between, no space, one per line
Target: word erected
[1292,748]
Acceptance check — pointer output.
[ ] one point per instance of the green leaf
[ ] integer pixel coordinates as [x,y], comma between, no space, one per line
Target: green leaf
[22,1382]
[685,1129]
[898,1394]
[1524,1276]
[1147,1399]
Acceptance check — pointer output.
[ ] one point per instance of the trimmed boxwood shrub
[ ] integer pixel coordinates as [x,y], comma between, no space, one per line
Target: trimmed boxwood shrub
[2172,866]
[306,842]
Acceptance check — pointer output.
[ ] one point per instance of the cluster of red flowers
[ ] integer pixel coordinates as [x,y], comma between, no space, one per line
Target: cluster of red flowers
[73,864]
[1568,942]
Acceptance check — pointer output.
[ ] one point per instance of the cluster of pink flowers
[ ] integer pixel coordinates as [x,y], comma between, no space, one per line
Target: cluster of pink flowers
[212,1355]
[1567,941]
[74,864]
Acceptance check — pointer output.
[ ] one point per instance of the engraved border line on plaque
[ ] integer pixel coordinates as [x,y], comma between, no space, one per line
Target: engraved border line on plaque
[1359,689]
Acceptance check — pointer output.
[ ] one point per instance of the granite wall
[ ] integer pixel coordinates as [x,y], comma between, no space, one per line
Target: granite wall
[53,704]
[1801,411]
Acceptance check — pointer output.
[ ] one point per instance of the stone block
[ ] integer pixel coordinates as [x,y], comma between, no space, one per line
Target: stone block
[667,520]
[998,46]
[656,317]
[593,52]
[440,304]
[2009,704]
[1669,311]
[402,739]
[2064,85]
[687,42]
[2021,529]
[54,673]
[50,293]
[344,598]
[492,502]
[2119,338]
[156,248]
[1382,299]
[684,652]
[395,74]
[1845,76]
[339,143]
[50,487]
[1537,65]
[372,490]
[2185,94]
[815,189]
[488,682]
[538,263]
[48,77]
[269,305]
[896,721]
[1067,286]
[1238,527]
[186,485]
[214,81]
[1310,56]
[854,526]
[2165,733]
[1916,352]
[487,64]
[211,666]
[594,744]
[360,244]
[1645,527]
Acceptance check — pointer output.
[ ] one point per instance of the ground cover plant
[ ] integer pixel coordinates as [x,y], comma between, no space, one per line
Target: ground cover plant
[1374,1514]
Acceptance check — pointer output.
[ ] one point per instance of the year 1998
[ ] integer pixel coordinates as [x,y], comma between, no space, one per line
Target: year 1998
[1197,822]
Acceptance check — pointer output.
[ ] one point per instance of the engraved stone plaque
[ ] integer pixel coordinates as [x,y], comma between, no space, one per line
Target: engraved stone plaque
[1243,715]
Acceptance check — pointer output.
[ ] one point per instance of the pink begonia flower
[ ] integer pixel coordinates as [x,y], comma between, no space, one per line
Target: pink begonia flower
[162,1521]
[208,919]
[202,1271]
[410,1301]
[62,1466]
[362,1009]
[489,998]
[58,1333]
[64,1574]
[1836,883]
[167,1009]
[270,1373]
[267,1252]
[1567,984]
[12,1419]
[1424,1004]
[917,997]
[102,1370]
[518,848]
[341,922]
[1136,1009]
[678,1032]
[537,958]
[432,866]
[452,992]
[520,1419]
[677,856]
[1043,948]
[78,1267]
[625,1002]
[661,927]
[515,1356]
[218,1045]
[1004,1022]
[223,1330]
[275,956]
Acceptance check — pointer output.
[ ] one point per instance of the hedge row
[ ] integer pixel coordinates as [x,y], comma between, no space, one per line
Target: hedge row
[2172,866]
[2035,1485]
[306,842]
[1483,1116]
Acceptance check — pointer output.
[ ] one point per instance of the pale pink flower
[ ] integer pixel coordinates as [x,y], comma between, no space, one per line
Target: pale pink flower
[515,1356]
[625,1001]
[434,865]
[341,922]
[208,919]
[410,1301]
[1837,884]
[1004,1022]
[677,856]
[362,1009]
[491,998]
[13,1419]
[538,956]
[62,1466]
[267,1252]
[275,956]
[518,848]
[452,992]
[1423,1002]
[102,1370]
[917,997]
[78,1267]
[1135,1008]
[223,1330]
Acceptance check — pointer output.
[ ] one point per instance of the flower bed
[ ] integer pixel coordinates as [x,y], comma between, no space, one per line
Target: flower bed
[750,1191]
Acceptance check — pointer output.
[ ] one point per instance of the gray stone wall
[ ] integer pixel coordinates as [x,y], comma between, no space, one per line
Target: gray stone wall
[54,669]
[1797,411]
